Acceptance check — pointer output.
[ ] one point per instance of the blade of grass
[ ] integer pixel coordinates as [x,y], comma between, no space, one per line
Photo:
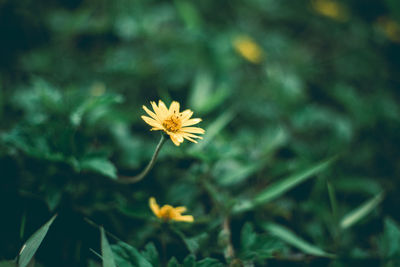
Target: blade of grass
[279,188]
[29,249]
[107,254]
[359,213]
[291,238]
[333,201]
[214,128]
[22,227]
[95,253]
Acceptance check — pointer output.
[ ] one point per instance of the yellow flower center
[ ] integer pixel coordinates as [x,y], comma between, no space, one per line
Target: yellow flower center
[172,124]
[167,212]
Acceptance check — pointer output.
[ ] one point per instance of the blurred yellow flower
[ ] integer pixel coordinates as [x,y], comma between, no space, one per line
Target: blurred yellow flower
[248,49]
[390,27]
[330,8]
[173,122]
[167,212]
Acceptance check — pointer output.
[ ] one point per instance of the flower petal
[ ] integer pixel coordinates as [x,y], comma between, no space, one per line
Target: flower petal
[180,209]
[163,109]
[191,135]
[185,218]
[191,122]
[152,122]
[179,138]
[190,139]
[193,130]
[186,114]
[152,114]
[174,107]
[154,206]
[174,140]
[161,115]
[156,129]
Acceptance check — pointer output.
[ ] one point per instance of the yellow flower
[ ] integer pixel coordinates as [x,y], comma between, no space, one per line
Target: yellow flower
[330,8]
[390,28]
[167,212]
[248,49]
[173,122]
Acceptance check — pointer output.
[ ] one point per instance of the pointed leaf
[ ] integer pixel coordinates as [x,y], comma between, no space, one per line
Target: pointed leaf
[106,252]
[332,199]
[126,255]
[209,262]
[359,213]
[213,129]
[189,261]
[173,262]
[292,239]
[100,165]
[151,254]
[279,188]
[29,249]
[389,242]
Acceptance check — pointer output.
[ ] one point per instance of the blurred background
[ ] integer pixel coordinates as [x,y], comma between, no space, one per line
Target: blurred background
[280,85]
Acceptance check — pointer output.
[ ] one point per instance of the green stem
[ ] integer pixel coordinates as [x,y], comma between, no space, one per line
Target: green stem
[229,252]
[140,176]
[22,228]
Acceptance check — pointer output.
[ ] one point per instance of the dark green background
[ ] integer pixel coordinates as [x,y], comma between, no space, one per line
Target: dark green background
[75,74]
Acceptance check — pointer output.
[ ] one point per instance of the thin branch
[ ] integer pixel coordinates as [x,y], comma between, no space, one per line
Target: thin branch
[140,176]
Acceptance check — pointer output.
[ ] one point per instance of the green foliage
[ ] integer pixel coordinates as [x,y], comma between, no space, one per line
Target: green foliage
[258,247]
[390,240]
[29,249]
[151,254]
[106,252]
[277,189]
[126,255]
[318,100]
[359,213]
[290,238]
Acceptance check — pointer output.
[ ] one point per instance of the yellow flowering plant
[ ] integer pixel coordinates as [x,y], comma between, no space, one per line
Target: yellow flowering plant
[177,125]
[169,213]
[173,122]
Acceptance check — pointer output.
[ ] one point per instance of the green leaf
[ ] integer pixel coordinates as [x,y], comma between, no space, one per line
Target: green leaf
[389,243]
[106,252]
[189,14]
[209,262]
[258,246]
[292,239]
[213,129]
[359,213]
[248,237]
[205,95]
[101,103]
[279,188]
[192,243]
[126,255]
[332,199]
[189,261]
[29,249]
[100,165]
[237,175]
[151,254]
[173,262]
